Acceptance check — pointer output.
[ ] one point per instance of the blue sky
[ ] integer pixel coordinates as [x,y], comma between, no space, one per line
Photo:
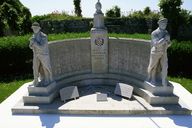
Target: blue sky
[40,7]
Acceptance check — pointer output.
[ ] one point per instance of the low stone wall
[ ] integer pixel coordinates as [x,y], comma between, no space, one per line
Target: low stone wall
[126,57]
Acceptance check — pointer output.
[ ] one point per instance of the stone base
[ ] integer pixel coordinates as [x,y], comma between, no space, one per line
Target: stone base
[40,99]
[159,90]
[157,94]
[40,94]
[41,90]
[88,104]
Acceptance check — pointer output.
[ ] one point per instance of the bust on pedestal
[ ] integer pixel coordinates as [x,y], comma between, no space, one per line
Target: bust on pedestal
[99,42]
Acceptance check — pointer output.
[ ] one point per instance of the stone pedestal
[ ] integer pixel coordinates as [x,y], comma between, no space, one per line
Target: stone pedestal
[99,43]
[99,51]
[41,95]
[157,95]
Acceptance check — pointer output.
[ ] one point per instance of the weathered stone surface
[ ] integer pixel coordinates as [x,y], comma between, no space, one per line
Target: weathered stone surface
[41,62]
[70,92]
[101,97]
[156,99]
[99,51]
[129,56]
[99,42]
[88,104]
[158,64]
[40,95]
[124,90]
[69,57]
[159,90]
[126,56]
[43,90]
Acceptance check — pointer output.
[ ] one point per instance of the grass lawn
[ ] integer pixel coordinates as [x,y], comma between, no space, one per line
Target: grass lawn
[63,36]
[7,88]
[186,83]
[9,84]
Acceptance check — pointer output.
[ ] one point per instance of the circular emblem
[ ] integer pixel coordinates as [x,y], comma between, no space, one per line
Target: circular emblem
[99,41]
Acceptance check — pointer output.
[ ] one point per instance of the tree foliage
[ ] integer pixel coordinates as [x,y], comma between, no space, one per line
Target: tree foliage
[171,9]
[78,10]
[113,12]
[14,17]
[147,11]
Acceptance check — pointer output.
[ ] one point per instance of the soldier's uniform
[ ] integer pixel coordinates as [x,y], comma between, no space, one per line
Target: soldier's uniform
[158,64]
[41,61]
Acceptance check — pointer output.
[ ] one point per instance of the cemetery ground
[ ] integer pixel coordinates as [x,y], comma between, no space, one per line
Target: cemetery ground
[11,83]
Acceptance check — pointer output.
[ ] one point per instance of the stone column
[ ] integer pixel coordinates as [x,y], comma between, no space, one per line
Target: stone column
[99,43]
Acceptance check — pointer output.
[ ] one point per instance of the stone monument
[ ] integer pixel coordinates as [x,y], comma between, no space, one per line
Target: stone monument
[83,63]
[99,42]
[160,41]
[41,61]
[42,89]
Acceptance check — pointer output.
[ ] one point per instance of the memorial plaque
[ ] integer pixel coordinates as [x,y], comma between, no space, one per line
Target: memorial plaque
[101,97]
[70,92]
[99,51]
[124,90]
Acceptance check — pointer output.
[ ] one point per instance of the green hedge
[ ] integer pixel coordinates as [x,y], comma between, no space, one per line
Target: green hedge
[16,57]
[180,55]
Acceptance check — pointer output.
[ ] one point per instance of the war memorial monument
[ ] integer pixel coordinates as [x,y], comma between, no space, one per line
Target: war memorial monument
[101,75]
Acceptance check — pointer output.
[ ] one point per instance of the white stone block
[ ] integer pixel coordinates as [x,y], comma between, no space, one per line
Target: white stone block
[101,97]
[70,92]
[124,90]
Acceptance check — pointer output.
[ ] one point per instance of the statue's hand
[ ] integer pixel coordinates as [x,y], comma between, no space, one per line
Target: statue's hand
[31,44]
[167,38]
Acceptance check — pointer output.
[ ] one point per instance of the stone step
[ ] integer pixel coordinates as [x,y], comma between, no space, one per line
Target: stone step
[158,90]
[41,90]
[156,99]
[32,99]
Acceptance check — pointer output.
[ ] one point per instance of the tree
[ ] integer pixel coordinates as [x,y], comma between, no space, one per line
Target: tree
[171,9]
[77,7]
[147,11]
[25,20]
[113,12]
[13,16]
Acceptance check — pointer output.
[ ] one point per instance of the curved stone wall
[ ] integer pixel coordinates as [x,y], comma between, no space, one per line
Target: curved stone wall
[70,57]
[128,57]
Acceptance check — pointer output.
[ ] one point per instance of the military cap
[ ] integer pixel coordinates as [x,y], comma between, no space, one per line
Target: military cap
[36,24]
[162,20]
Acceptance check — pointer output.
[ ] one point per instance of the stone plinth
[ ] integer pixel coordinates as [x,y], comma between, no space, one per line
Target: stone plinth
[41,94]
[99,51]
